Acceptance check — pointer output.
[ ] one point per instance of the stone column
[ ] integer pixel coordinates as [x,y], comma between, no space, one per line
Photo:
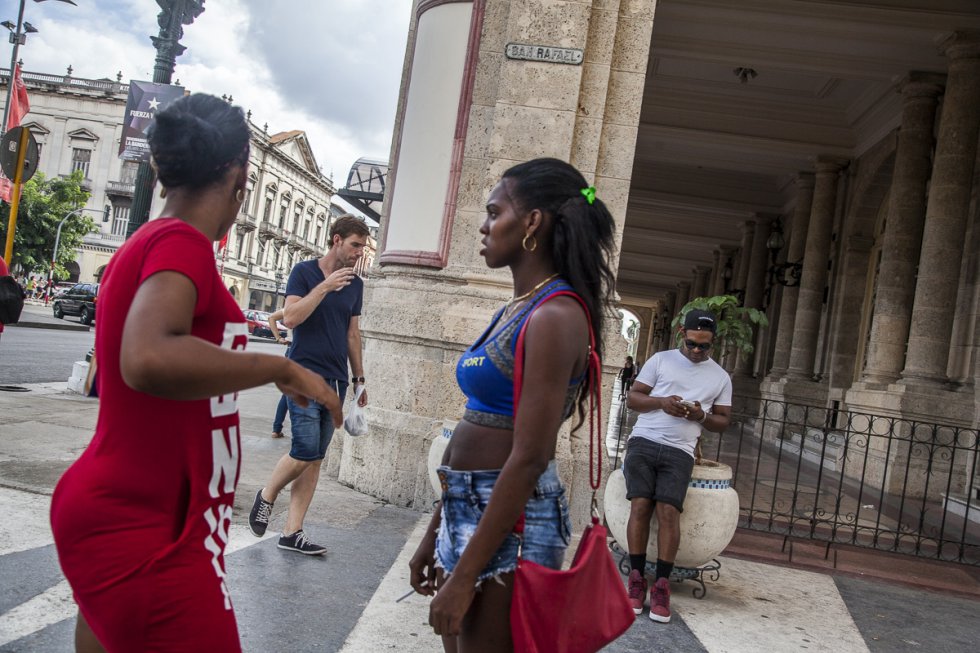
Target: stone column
[744,255]
[809,307]
[429,295]
[700,286]
[946,215]
[715,272]
[755,280]
[797,241]
[895,287]
[683,296]
[724,254]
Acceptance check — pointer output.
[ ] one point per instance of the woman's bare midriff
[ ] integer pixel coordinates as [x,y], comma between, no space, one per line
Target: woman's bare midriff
[476,447]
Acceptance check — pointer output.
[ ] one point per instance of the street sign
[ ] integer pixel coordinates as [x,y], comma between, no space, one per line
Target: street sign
[8,154]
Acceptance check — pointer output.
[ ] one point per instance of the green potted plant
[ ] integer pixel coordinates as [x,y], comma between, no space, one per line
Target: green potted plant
[736,324]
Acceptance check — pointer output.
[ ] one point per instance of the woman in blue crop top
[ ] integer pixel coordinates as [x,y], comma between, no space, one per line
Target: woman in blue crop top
[545,223]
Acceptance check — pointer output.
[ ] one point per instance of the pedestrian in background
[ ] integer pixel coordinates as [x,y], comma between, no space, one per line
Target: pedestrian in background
[544,222]
[141,520]
[323,308]
[626,376]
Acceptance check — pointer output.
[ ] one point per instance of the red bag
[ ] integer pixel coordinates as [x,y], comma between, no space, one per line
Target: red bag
[586,607]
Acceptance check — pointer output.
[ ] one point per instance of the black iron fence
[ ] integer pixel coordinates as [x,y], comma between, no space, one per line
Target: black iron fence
[844,477]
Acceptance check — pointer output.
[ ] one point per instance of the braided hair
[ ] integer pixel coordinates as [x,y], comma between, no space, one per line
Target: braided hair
[582,235]
[194,141]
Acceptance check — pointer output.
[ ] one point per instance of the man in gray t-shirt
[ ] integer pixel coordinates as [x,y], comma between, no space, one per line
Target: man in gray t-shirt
[669,394]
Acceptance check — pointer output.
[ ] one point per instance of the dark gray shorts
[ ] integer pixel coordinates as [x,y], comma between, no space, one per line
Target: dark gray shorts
[657,471]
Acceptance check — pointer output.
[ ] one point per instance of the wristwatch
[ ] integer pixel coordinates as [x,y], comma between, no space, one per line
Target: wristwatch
[357,379]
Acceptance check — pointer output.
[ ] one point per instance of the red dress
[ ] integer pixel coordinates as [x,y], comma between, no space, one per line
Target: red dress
[141,519]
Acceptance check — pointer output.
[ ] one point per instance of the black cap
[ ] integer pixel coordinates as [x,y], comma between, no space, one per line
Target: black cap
[698,320]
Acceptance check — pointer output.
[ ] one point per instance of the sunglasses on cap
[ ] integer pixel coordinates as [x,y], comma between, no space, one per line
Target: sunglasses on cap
[700,346]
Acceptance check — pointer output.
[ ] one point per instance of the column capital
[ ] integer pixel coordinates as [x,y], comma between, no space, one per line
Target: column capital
[804,179]
[919,84]
[746,225]
[765,218]
[684,284]
[827,164]
[963,44]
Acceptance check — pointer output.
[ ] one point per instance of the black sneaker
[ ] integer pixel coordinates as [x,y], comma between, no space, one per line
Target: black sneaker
[258,518]
[300,543]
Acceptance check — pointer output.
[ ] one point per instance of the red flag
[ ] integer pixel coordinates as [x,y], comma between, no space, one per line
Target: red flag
[19,104]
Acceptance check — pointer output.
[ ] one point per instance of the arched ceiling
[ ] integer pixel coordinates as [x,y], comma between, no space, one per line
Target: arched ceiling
[713,150]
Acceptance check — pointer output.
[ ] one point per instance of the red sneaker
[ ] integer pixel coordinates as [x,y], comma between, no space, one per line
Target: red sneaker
[637,585]
[660,601]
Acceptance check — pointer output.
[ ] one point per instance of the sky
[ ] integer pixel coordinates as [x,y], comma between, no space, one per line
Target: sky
[331,68]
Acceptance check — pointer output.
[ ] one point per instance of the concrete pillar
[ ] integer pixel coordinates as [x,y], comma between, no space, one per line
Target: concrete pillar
[895,287]
[946,215]
[810,301]
[755,280]
[716,264]
[797,242]
[700,286]
[745,255]
[683,296]
[500,111]
[724,255]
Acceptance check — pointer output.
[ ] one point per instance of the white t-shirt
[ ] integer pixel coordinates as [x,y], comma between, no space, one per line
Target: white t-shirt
[671,373]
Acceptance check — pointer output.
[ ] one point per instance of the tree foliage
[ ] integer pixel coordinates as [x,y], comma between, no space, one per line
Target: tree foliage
[735,323]
[44,203]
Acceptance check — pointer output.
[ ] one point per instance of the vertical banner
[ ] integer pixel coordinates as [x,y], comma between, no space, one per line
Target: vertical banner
[145,98]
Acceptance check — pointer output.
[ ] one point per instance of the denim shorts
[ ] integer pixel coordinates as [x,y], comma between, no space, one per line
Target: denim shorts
[312,427]
[657,471]
[547,527]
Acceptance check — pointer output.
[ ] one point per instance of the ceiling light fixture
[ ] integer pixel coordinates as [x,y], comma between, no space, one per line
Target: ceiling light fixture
[745,74]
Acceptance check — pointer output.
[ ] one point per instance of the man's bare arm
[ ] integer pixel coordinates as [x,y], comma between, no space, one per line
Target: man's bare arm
[300,308]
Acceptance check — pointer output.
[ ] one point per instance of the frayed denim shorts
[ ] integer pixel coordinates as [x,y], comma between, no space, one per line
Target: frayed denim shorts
[547,527]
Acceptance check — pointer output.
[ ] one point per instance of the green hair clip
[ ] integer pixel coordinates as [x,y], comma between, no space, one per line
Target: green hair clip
[589,193]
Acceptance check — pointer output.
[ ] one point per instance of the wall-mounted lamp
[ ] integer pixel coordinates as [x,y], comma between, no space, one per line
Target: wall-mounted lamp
[783,274]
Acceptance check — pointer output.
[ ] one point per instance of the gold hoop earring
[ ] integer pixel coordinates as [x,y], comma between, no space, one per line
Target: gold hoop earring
[163,192]
[240,196]
[534,243]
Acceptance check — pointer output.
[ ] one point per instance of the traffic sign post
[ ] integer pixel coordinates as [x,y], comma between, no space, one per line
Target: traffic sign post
[18,159]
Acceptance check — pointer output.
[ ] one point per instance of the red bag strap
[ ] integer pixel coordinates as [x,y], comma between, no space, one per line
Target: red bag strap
[593,374]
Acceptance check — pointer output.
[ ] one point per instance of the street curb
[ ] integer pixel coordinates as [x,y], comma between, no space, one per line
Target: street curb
[66,326]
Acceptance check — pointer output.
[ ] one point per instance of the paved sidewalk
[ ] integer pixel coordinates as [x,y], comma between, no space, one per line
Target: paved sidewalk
[346,600]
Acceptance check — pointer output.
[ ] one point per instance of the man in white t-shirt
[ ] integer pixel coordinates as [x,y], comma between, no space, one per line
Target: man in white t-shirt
[669,393]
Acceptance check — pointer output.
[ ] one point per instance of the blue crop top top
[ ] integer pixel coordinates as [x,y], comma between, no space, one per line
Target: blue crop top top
[485,372]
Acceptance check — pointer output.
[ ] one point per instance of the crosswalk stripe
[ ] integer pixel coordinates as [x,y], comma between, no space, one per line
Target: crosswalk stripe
[28,528]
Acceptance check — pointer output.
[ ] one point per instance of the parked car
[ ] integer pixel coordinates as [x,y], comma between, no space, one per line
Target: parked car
[78,300]
[258,324]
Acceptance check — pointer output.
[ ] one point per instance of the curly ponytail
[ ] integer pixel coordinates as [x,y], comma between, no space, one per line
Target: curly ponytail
[582,236]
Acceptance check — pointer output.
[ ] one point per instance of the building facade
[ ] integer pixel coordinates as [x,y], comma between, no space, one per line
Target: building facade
[284,219]
[818,159]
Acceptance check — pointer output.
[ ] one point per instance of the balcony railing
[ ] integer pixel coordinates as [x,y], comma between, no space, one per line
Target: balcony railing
[245,222]
[848,478]
[120,188]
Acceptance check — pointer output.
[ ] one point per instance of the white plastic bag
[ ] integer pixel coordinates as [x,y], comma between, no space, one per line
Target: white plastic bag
[356,421]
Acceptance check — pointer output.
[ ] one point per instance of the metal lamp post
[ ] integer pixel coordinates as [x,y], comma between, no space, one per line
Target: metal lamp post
[18,38]
[174,15]
[54,254]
